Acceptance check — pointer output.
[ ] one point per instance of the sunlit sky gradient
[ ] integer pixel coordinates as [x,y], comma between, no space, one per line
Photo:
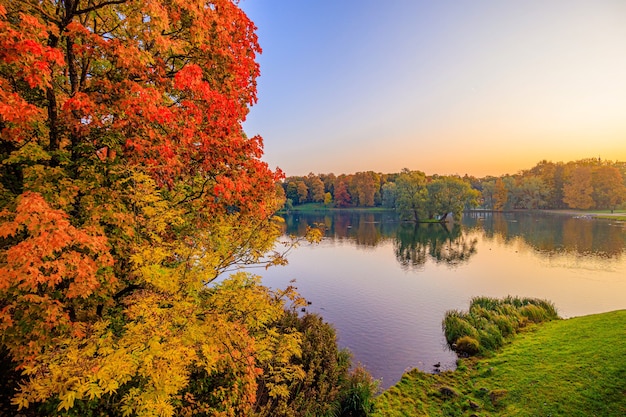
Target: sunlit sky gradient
[447,87]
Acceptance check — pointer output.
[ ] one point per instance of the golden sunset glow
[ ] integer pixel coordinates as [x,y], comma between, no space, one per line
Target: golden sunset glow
[484,88]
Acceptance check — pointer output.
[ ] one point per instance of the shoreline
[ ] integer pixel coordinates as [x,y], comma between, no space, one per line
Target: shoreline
[525,377]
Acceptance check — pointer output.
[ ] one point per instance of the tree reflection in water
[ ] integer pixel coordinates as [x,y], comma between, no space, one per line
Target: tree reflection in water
[416,243]
[551,234]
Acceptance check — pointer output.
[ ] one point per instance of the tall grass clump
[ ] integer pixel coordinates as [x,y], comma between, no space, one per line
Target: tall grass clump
[489,321]
[457,326]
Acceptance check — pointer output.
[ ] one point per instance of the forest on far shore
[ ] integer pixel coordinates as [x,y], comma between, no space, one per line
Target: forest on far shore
[584,184]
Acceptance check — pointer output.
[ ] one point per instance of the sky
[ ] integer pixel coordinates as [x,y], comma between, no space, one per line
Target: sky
[445,87]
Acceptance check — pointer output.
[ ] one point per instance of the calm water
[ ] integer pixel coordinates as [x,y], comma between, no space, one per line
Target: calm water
[385,285]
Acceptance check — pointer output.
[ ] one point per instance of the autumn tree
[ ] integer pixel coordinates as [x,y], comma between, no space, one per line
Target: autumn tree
[302,192]
[342,196]
[578,189]
[608,187]
[552,175]
[364,188]
[127,186]
[328,198]
[316,188]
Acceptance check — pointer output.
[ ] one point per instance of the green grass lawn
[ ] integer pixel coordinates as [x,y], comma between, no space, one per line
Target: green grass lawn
[574,367]
[621,218]
[618,215]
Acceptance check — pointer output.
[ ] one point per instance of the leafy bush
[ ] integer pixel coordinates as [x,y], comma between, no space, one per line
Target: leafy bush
[328,387]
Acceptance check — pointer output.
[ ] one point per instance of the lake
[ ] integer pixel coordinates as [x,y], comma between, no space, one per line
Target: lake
[385,285]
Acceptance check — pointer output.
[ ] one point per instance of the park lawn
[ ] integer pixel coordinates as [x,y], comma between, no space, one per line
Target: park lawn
[615,216]
[574,367]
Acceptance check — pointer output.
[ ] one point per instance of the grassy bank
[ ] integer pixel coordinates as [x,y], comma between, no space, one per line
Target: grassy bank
[574,367]
[618,215]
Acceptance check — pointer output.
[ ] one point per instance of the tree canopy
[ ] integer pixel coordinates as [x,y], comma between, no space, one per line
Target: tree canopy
[584,184]
[127,187]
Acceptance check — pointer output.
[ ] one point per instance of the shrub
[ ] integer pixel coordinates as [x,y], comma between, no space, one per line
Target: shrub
[328,387]
[359,394]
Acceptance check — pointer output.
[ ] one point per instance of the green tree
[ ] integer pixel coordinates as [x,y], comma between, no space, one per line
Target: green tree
[411,195]
[552,176]
[506,193]
[450,195]
[329,182]
[531,193]
[389,195]
[487,193]
[291,191]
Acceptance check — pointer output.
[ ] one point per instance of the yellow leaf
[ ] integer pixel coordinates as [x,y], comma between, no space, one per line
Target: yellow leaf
[67,400]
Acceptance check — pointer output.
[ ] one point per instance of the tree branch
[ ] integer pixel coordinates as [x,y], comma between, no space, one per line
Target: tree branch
[99,6]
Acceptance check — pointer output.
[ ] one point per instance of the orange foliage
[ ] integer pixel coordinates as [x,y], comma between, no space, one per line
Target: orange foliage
[126,185]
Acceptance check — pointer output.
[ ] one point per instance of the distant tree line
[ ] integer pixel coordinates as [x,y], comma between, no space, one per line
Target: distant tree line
[583,184]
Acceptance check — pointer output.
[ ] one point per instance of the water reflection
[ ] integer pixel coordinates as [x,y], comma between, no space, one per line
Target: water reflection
[365,229]
[552,234]
[386,285]
[415,243]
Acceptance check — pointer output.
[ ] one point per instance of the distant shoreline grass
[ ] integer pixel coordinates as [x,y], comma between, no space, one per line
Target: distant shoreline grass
[617,215]
[572,367]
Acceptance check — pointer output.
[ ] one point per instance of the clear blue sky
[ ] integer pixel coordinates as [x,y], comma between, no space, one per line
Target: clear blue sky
[448,87]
